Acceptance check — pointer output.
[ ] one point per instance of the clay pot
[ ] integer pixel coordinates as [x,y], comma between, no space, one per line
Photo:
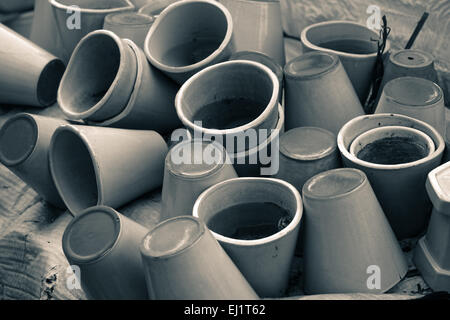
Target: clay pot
[129,25]
[230,98]
[257,27]
[254,238]
[105,166]
[20,23]
[190,168]
[8,6]
[319,93]
[29,75]
[183,261]
[432,254]
[352,42]
[104,245]
[99,79]
[347,236]
[188,36]
[399,187]
[24,144]
[155,7]
[415,97]
[91,15]
[151,102]
[138,4]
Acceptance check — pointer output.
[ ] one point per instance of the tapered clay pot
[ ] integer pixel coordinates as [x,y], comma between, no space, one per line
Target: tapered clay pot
[74,23]
[347,236]
[105,166]
[265,60]
[230,100]
[352,42]
[260,237]
[155,7]
[183,261]
[24,144]
[415,97]
[319,93]
[29,75]
[188,36]
[190,168]
[151,102]
[8,6]
[400,187]
[129,25]
[43,29]
[257,27]
[432,254]
[99,79]
[104,245]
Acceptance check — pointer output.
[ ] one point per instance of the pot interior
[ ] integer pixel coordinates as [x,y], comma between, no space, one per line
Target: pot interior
[73,171]
[188,34]
[49,81]
[248,210]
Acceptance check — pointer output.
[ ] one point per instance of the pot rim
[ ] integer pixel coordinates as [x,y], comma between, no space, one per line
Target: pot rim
[305,41]
[127,5]
[122,69]
[271,105]
[437,139]
[199,64]
[77,132]
[296,219]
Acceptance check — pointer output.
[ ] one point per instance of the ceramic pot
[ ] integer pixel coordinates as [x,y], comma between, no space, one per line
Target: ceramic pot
[257,27]
[188,36]
[8,6]
[319,93]
[24,144]
[415,97]
[21,23]
[43,29]
[352,42]
[129,25]
[99,79]
[105,166]
[263,159]
[151,102]
[74,23]
[265,60]
[339,257]
[230,98]
[29,75]
[104,245]
[399,187]
[183,261]
[261,237]
[190,168]
[138,4]
[432,253]
[155,7]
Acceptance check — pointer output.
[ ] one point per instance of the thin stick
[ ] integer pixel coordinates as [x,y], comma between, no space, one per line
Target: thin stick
[417,30]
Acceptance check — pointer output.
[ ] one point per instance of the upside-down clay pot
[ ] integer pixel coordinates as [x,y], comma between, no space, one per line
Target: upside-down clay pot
[419,98]
[399,187]
[190,168]
[183,261]
[99,79]
[104,245]
[352,42]
[432,253]
[257,27]
[29,75]
[105,166]
[347,237]
[261,236]
[319,93]
[74,23]
[24,145]
[188,36]
[151,104]
[229,99]
[129,25]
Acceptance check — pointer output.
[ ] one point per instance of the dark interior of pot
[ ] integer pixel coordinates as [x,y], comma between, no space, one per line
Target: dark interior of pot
[188,34]
[97,4]
[91,72]
[73,171]
[48,82]
[227,97]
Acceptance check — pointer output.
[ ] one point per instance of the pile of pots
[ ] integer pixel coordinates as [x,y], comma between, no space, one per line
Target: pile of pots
[276,159]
